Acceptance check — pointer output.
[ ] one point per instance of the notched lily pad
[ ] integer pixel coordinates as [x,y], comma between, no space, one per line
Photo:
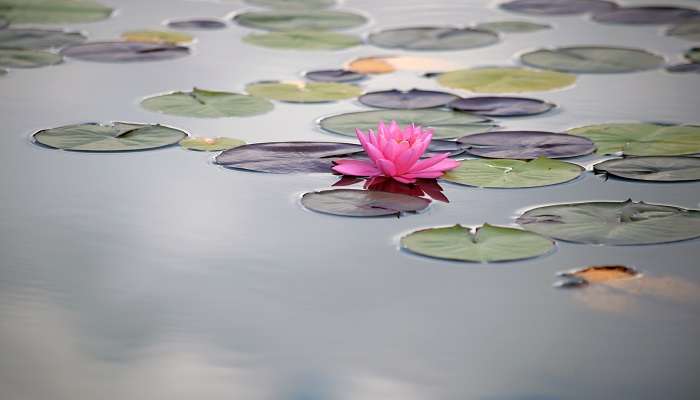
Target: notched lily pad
[689,30]
[201,103]
[53,11]
[303,40]
[28,58]
[161,37]
[210,144]
[38,38]
[643,139]
[593,59]
[362,203]
[406,100]
[595,274]
[304,92]
[512,26]
[656,15]
[300,20]
[557,7]
[334,75]
[513,173]
[526,145]
[656,169]
[433,38]
[122,52]
[505,80]
[193,24]
[501,106]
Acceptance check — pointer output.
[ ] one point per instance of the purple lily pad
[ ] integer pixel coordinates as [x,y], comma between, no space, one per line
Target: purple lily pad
[684,68]
[413,99]
[334,75]
[286,157]
[558,7]
[526,145]
[197,24]
[653,15]
[495,106]
[124,52]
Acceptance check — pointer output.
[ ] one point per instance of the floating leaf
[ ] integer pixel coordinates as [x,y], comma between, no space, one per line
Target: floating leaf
[505,80]
[157,37]
[299,21]
[197,24]
[655,15]
[689,30]
[53,11]
[643,139]
[513,173]
[115,136]
[512,26]
[445,124]
[302,92]
[27,58]
[207,104]
[210,144]
[557,7]
[438,146]
[684,68]
[657,169]
[303,40]
[362,203]
[38,38]
[693,54]
[406,100]
[495,106]
[433,38]
[613,223]
[388,64]
[526,145]
[293,4]
[334,75]
[592,59]
[121,52]
[286,157]
[487,243]
[596,274]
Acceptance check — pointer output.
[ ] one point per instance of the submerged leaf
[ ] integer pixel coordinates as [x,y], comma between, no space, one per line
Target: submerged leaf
[505,80]
[657,169]
[643,139]
[513,173]
[362,203]
[210,144]
[207,104]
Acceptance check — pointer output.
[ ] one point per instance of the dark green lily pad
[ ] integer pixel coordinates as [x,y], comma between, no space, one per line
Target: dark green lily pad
[613,223]
[38,38]
[53,11]
[362,203]
[656,169]
[689,30]
[593,60]
[115,136]
[501,106]
[207,104]
[513,173]
[526,145]
[505,80]
[643,139]
[445,124]
[293,4]
[693,54]
[334,75]
[512,26]
[195,24]
[300,20]
[433,38]
[487,243]
[652,15]
[123,52]
[557,7]
[304,92]
[28,58]
[413,99]
[303,40]
[210,144]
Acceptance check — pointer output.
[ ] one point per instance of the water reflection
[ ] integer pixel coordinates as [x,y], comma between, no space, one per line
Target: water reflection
[421,188]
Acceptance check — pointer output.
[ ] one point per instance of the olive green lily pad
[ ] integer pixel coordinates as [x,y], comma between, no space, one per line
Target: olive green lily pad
[656,169]
[643,139]
[362,203]
[210,144]
[613,223]
[304,92]
[693,54]
[433,38]
[53,11]
[505,80]
[512,26]
[593,59]
[487,243]
[504,173]
[115,136]
[28,58]
[299,20]
[445,124]
[38,38]
[303,40]
[157,37]
[293,4]
[689,30]
[207,104]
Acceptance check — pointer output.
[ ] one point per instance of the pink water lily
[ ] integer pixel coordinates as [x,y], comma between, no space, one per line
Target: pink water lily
[395,153]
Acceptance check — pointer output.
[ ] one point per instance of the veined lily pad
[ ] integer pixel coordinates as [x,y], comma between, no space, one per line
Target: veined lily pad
[27,58]
[643,139]
[592,60]
[526,145]
[388,64]
[505,80]
[157,37]
[121,52]
[487,243]
[334,75]
[362,203]
[53,11]
[210,144]
[116,136]
[689,30]
[303,40]
[657,169]
[558,7]
[512,26]
[293,4]
[513,173]
[302,92]
[498,106]
[613,223]
[38,38]
[197,24]
[299,20]
[433,38]
[406,100]
[207,104]
[656,15]
[445,124]
[693,54]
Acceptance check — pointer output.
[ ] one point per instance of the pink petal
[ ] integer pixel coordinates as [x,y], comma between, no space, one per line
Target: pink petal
[387,167]
[403,179]
[355,168]
[444,165]
[405,161]
[373,153]
[428,162]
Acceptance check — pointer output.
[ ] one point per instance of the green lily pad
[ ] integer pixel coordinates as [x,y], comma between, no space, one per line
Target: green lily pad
[643,139]
[303,40]
[362,203]
[299,20]
[504,173]
[487,243]
[445,124]
[693,54]
[210,144]
[115,136]
[592,59]
[303,92]
[613,223]
[656,169]
[53,11]
[689,30]
[433,38]
[512,26]
[505,80]
[28,58]
[157,37]
[293,4]
[38,38]
[207,104]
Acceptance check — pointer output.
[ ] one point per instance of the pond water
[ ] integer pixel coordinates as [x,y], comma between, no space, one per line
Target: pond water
[158,275]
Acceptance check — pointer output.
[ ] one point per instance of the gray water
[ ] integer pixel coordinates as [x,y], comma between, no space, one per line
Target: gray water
[157,275]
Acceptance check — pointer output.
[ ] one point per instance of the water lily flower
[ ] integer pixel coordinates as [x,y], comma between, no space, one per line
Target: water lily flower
[396,153]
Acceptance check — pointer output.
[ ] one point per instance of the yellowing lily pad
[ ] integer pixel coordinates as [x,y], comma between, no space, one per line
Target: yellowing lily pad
[210,144]
[157,37]
[505,80]
[387,64]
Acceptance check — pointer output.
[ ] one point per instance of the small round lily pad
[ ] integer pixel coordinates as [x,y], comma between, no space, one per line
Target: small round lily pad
[334,75]
[53,11]
[303,40]
[157,37]
[207,104]
[28,58]
[293,4]
[38,38]
[501,106]
[557,7]
[195,24]
[513,173]
[526,145]
[505,80]
[689,30]
[433,38]
[299,20]
[512,26]
[122,52]
[643,139]
[652,15]
[304,92]
[210,144]
[406,100]
[592,59]
[656,169]
[362,203]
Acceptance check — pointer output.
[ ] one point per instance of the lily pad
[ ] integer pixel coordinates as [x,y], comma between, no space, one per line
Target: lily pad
[652,15]
[293,4]
[303,40]
[433,38]
[499,106]
[362,203]
[27,58]
[388,64]
[157,37]
[689,30]
[195,24]
[693,67]
[693,54]
[207,104]
[505,80]
[596,274]
[303,92]
[122,52]
[286,157]
[334,75]
[53,11]
[593,60]
[656,169]
[210,144]
[513,173]
[557,7]
[115,136]
[487,243]
[38,38]
[512,26]
[613,223]
[406,100]
[439,146]
[445,124]
[643,139]
[300,20]
[525,145]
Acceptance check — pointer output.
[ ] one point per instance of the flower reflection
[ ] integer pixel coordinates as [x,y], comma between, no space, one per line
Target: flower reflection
[420,188]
